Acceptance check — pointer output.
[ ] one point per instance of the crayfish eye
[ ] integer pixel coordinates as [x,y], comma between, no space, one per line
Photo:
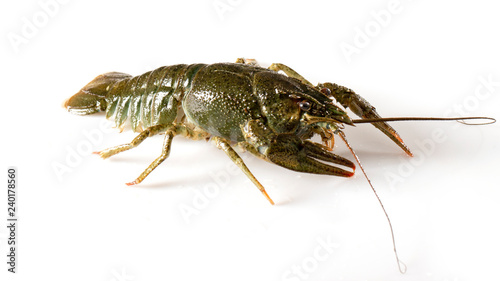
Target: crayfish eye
[304,105]
[326,91]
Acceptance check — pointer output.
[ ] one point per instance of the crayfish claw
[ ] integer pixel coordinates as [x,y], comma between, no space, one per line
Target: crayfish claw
[361,107]
[387,130]
[290,152]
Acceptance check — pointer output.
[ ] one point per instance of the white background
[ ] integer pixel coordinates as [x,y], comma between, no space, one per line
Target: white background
[83,223]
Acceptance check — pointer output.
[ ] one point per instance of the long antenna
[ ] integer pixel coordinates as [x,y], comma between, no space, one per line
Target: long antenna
[459,119]
[401,265]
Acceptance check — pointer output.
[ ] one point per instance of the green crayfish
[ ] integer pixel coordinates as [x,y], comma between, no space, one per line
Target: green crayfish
[271,115]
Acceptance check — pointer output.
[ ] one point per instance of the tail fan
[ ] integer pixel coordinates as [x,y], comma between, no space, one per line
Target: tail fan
[91,98]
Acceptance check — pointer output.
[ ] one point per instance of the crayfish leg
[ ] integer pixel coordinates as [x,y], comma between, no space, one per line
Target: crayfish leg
[289,72]
[226,147]
[149,132]
[252,62]
[167,143]
[171,131]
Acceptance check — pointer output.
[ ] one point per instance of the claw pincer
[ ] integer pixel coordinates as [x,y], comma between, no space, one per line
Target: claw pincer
[289,151]
[361,107]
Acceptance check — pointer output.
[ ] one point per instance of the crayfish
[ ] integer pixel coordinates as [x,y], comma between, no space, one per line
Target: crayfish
[271,115]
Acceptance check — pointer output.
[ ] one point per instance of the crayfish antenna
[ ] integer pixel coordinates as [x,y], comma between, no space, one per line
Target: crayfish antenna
[401,264]
[488,120]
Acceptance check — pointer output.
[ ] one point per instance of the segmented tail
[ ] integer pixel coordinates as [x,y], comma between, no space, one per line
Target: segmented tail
[91,98]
